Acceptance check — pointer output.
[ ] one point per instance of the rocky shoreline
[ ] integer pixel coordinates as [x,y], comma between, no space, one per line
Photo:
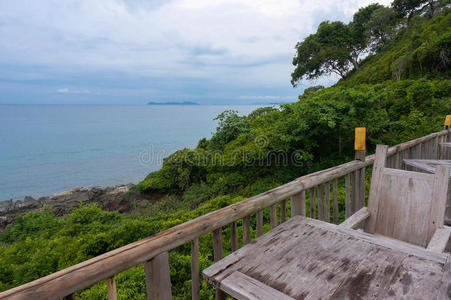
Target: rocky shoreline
[64,203]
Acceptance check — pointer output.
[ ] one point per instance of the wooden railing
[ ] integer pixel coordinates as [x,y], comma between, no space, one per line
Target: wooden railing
[320,188]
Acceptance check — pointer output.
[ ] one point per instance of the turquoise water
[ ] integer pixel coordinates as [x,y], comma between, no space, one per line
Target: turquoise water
[45,149]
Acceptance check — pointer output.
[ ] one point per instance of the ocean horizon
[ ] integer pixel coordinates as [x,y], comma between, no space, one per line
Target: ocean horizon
[50,148]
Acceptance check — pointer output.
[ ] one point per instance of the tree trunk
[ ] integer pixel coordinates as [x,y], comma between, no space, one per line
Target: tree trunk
[355,63]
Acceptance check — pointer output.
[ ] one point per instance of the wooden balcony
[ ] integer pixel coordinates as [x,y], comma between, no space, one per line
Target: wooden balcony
[320,188]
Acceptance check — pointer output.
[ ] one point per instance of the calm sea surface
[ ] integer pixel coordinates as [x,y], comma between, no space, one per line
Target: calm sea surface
[45,149]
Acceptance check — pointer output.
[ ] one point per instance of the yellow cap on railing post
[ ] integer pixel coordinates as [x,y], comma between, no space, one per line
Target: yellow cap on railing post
[360,138]
[360,143]
[448,121]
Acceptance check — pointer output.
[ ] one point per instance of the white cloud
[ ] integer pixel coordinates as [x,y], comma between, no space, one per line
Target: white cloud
[234,42]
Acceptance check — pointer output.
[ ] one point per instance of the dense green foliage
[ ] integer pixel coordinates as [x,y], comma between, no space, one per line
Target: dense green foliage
[399,92]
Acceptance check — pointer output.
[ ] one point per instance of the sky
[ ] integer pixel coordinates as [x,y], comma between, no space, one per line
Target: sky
[136,51]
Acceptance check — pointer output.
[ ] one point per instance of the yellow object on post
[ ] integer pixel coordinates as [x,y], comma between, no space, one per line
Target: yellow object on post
[448,121]
[360,138]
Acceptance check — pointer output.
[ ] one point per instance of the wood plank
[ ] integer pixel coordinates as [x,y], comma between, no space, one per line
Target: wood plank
[158,280]
[298,204]
[283,211]
[217,255]
[335,195]
[357,219]
[312,203]
[444,291]
[372,277]
[85,274]
[217,244]
[410,174]
[439,199]
[321,202]
[327,202]
[355,191]
[195,280]
[415,279]
[376,178]
[348,195]
[259,223]
[273,216]
[428,165]
[246,230]
[233,236]
[383,241]
[111,285]
[440,239]
[362,188]
[288,259]
[243,287]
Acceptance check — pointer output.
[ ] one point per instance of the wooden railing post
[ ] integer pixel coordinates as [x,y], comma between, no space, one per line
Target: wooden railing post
[158,278]
[298,204]
[273,215]
[111,283]
[359,175]
[217,255]
[233,236]
[195,282]
[246,230]
[259,223]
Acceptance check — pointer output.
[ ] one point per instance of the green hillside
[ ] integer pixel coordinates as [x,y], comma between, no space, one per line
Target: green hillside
[398,92]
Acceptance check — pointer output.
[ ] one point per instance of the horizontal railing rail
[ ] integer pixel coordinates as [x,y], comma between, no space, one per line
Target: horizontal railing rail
[70,280]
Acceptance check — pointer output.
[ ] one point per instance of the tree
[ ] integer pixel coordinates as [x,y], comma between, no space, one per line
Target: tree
[330,50]
[381,27]
[406,8]
[359,25]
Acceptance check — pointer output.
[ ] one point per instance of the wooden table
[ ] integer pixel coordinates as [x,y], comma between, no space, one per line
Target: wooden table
[429,165]
[305,258]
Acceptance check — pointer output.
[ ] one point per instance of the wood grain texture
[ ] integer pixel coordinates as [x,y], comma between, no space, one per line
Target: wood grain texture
[195,280]
[327,202]
[259,223]
[246,230]
[406,205]
[348,208]
[233,236]
[298,204]
[243,287]
[283,211]
[273,215]
[357,219]
[111,285]
[373,201]
[87,273]
[335,195]
[350,264]
[440,239]
[217,255]
[312,203]
[157,274]
[321,202]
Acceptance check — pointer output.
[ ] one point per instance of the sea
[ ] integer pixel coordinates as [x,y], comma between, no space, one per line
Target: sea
[47,149]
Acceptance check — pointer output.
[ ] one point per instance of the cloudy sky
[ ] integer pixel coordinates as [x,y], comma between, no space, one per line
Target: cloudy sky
[135,51]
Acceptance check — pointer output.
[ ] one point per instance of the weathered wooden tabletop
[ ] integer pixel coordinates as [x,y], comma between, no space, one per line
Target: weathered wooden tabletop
[310,259]
[427,165]
[446,144]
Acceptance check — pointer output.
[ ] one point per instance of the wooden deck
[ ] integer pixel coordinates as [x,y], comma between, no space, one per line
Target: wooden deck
[305,258]
[320,190]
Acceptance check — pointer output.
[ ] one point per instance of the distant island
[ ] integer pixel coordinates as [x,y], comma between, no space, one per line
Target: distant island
[172,103]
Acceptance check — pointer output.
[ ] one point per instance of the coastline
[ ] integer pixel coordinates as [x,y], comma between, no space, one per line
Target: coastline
[64,202]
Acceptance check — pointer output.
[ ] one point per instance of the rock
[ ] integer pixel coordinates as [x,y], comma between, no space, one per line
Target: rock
[61,203]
